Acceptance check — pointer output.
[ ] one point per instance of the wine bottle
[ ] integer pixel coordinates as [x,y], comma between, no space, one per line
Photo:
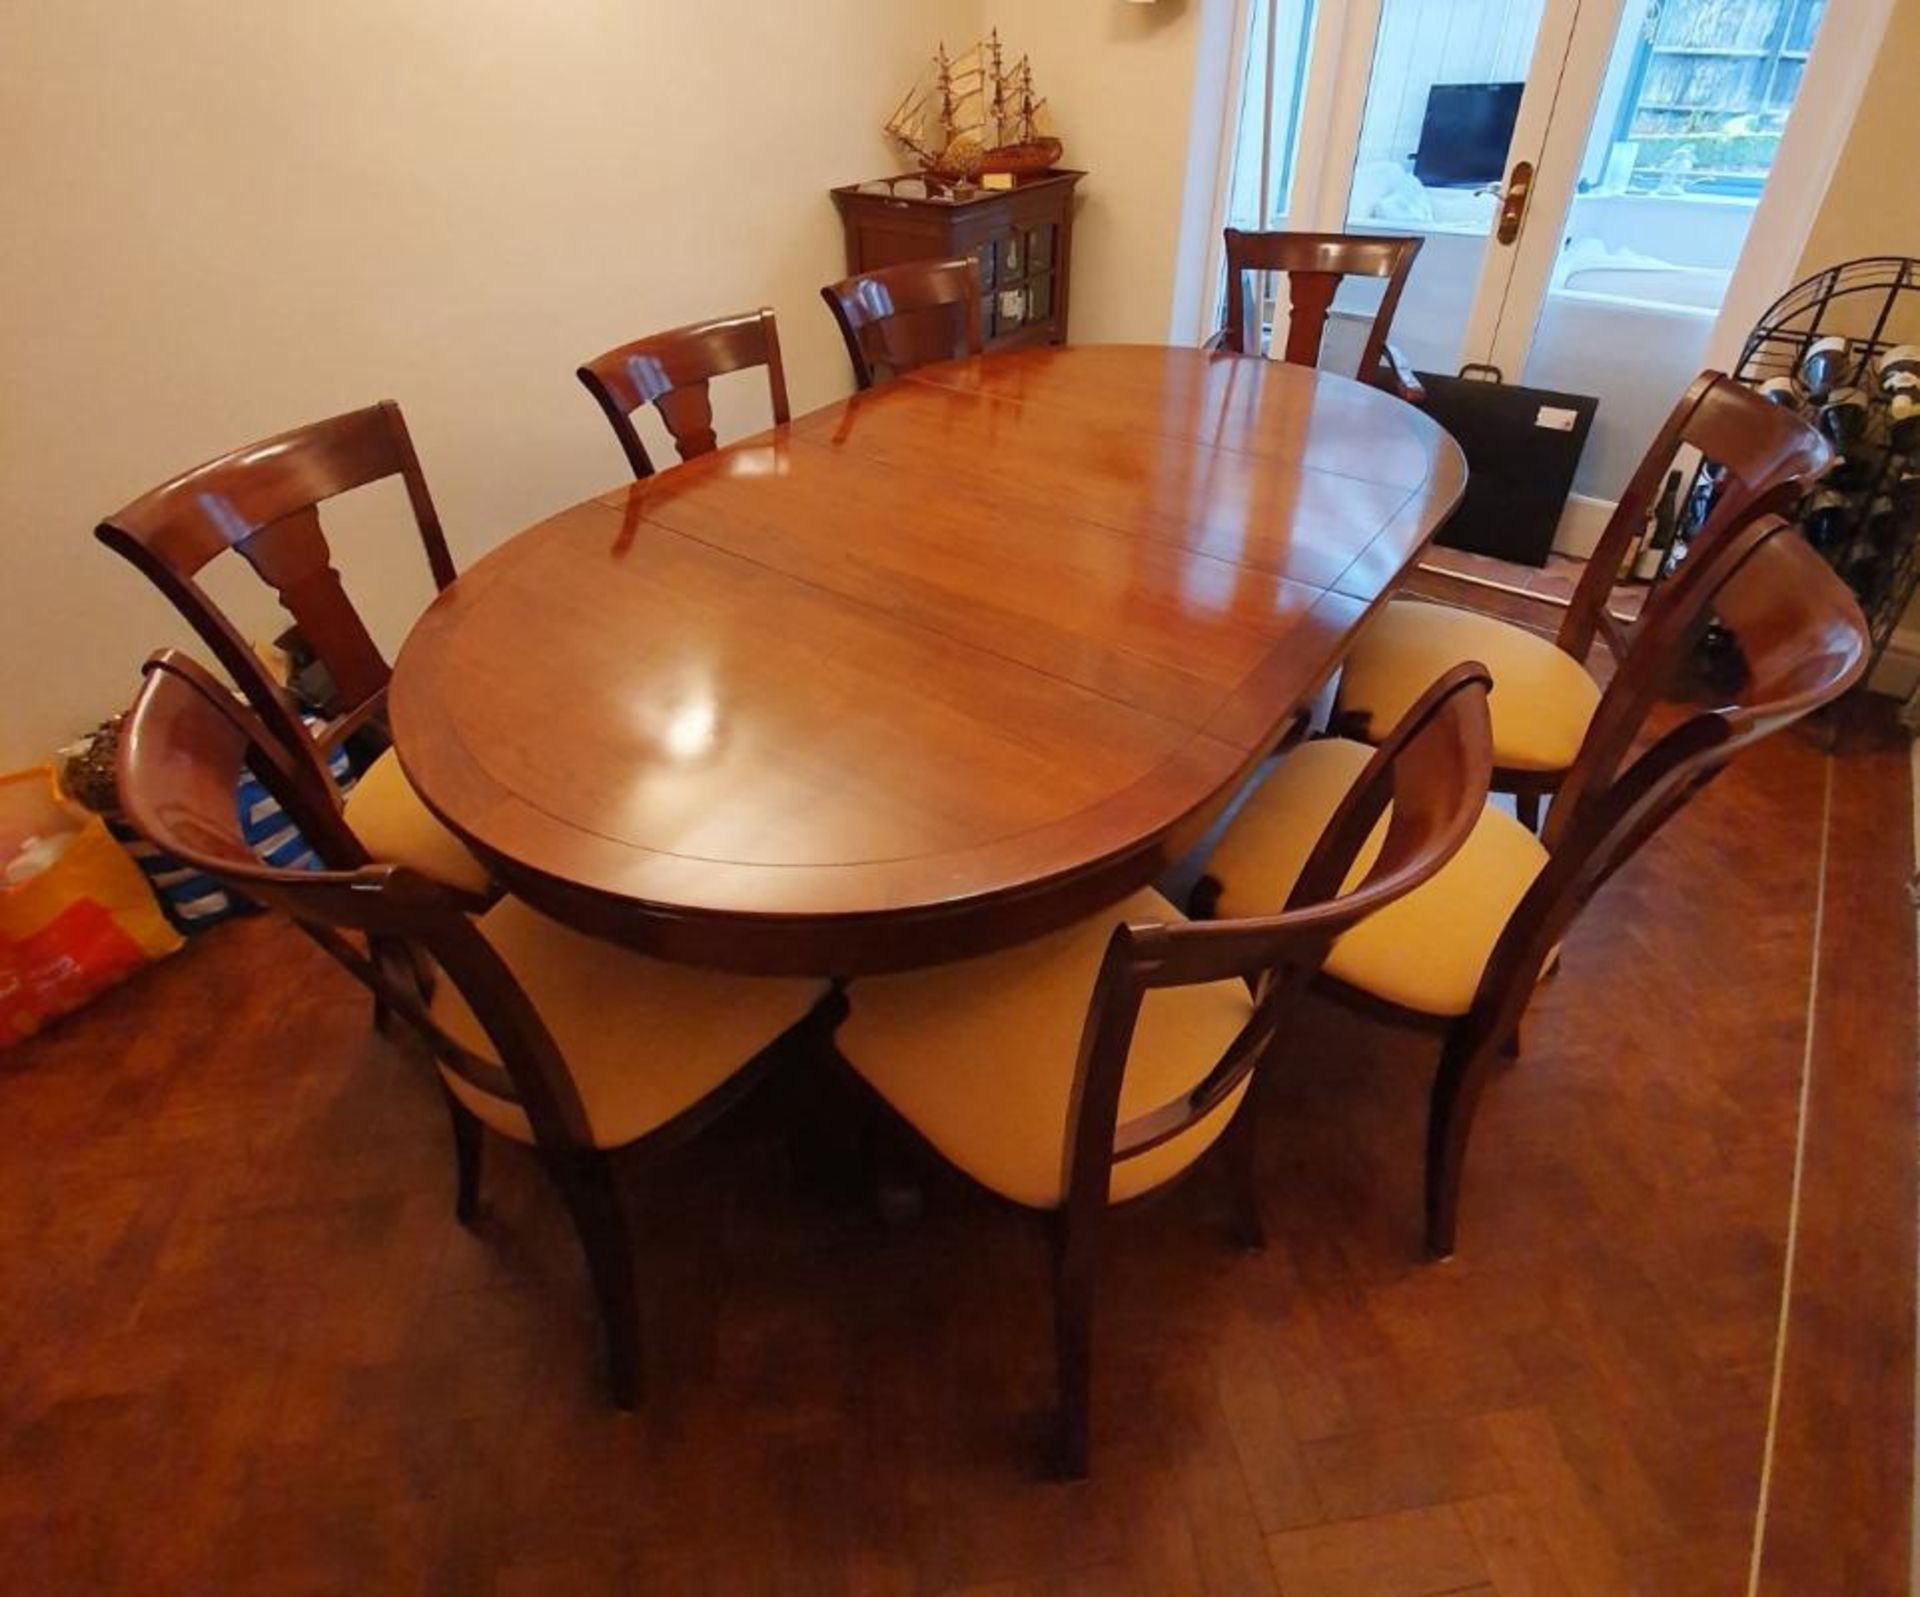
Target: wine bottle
[1906,495]
[1903,360]
[1903,419]
[1659,535]
[1885,525]
[1828,517]
[1781,391]
[1862,569]
[1824,365]
[1843,417]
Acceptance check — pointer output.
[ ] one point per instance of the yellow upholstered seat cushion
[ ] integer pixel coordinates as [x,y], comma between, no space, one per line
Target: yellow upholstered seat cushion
[395,826]
[644,1039]
[1425,951]
[978,1055]
[1542,698]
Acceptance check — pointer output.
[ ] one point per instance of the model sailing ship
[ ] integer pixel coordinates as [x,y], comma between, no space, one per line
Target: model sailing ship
[976,115]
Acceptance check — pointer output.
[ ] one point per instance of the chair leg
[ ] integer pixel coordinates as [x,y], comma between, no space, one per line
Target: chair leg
[1241,1142]
[585,1179]
[394,959]
[1526,806]
[895,1184]
[1073,1277]
[1457,1086]
[469,1144]
[378,952]
[826,1135]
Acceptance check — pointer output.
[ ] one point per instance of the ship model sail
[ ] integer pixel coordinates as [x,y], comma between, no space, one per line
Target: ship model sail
[976,114]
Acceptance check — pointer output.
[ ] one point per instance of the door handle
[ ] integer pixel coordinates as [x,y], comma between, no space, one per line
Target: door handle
[1513,204]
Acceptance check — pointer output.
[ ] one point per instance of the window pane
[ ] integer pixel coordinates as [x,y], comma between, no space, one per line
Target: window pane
[1292,25]
[1804,24]
[1708,97]
[1442,98]
[1717,24]
[1689,123]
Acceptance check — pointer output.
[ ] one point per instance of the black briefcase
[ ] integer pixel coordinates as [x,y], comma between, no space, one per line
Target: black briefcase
[1522,447]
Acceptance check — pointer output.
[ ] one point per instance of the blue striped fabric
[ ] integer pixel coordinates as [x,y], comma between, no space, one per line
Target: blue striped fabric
[192,900]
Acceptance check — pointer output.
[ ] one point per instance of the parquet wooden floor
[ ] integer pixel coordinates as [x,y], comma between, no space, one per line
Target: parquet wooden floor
[245,1348]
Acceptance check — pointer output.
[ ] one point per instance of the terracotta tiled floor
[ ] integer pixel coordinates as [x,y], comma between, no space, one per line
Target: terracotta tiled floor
[1555,581]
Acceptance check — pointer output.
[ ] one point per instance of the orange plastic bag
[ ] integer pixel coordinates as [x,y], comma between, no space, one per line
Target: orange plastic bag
[76,915]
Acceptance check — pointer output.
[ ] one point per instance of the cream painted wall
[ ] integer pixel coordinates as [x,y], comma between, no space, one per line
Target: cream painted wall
[223,220]
[1872,205]
[1120,80]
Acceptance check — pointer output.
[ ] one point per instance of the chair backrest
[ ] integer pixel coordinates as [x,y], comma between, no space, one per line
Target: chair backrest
[900,317]
[1802,641]
[1756,447]
[262,502]
[670,371]
[1433,770]
[181,750]
[1662,642]
[1314,263]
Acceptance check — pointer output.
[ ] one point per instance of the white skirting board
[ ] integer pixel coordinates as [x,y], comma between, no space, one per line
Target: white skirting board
[1898,673]
[1581,524]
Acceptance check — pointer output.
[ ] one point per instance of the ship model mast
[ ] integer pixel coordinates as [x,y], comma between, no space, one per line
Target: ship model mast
[975,115]
[999,89]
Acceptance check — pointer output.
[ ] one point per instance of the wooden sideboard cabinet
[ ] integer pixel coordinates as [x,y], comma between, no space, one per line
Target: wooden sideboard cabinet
[1022,237]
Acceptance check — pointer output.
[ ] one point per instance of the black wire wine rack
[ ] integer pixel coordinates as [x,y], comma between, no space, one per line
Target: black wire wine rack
[1842,348]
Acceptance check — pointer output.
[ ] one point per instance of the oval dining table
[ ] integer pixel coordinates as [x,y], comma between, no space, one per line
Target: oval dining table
[929,671]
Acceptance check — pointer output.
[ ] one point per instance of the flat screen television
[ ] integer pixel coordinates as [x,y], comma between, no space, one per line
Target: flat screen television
[1464,137]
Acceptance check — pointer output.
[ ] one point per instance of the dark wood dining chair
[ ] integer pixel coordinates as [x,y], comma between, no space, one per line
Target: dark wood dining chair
[1099,1063]
[549,1038]
[1315,265]
[671,371]
[262,502]
[1544,696]
[1462,955]
[899,317]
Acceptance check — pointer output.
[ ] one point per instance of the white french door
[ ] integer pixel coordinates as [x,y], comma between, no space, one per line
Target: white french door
[1490,72]
[1334,100]
[1589,177]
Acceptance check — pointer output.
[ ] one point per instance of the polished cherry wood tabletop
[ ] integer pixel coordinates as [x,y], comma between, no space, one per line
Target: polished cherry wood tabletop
[925,672]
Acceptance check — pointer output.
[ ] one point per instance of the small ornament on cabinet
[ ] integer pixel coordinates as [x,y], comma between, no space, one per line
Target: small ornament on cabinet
[976,121]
